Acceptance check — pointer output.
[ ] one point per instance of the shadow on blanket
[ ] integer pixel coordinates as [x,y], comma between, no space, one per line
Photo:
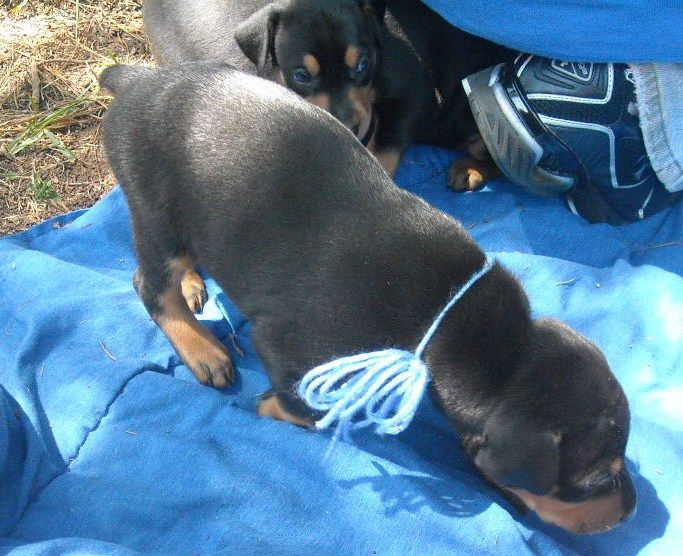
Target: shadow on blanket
[442,462]
[409,493]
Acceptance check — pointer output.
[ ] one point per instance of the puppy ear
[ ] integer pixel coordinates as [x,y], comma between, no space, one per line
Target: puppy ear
[513,456]
[256,36]
[374,12]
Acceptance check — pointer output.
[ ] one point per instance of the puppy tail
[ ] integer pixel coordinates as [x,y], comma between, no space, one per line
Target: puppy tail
[117,78]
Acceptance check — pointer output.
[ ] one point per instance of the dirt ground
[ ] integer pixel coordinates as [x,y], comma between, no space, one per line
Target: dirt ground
[51,52]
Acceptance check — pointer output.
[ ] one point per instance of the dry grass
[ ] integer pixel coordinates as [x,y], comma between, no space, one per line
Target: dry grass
[51,52]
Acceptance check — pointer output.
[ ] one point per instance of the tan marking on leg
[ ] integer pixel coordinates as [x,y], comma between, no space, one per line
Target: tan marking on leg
[351,57]
[468,174]
[199,349]
[280,79]
[321,100]
[311,64]
[181,264]
[270,407]
[194,290]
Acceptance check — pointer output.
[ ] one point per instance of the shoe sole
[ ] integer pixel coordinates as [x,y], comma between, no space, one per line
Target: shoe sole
[513,147]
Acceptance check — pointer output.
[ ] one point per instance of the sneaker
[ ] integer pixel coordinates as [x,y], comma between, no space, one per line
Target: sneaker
[569,128]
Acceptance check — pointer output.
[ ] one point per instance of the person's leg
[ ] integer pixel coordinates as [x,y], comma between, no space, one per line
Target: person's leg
[659,94]
[569,128]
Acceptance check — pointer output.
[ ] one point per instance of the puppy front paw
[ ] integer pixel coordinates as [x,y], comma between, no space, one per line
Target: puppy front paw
[466,175]
[213,366]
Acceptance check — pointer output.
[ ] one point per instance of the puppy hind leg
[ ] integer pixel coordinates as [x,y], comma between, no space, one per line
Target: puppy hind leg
[270,406]
[271,403]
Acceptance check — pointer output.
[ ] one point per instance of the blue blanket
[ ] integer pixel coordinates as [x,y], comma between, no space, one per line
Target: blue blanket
[108,445]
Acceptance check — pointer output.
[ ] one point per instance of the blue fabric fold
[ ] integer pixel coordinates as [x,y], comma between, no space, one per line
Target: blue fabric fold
[108,445]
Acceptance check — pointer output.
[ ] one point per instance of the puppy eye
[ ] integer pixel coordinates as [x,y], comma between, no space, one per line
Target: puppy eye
[362,66]
[301,75]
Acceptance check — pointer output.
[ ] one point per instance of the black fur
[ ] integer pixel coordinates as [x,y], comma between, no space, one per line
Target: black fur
[448,55]
[271,39]
[327,258]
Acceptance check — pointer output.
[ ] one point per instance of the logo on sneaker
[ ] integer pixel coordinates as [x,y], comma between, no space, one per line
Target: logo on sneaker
[628,74]
[579,71]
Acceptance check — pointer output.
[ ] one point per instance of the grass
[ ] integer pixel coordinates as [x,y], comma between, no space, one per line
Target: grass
[43,190]
[51,53]
[39,128]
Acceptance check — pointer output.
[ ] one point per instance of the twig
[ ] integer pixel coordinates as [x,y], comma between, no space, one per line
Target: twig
[658,245]
[104,348]
[567,282]
[235,344]
[78,18]
[34,100]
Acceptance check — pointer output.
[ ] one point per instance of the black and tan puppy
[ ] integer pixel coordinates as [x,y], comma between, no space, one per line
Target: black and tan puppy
[449,55]
[327,257]
[331,52]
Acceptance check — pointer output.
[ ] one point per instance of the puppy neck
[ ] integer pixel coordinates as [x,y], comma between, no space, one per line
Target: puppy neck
[479,346]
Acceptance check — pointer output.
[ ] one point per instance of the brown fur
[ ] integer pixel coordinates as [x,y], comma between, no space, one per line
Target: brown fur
[191,283]
[311,64]
[321,100]
[389,160]
[201,351]
[351,57]
[469,174]
[593,516]
[617,465]
[271,407]
[193,290]
[361,99]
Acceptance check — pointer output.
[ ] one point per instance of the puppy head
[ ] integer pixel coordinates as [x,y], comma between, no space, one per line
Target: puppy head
[555,440]
[325,50]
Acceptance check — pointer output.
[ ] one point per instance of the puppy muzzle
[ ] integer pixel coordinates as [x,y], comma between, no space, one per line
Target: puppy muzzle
[595,515]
